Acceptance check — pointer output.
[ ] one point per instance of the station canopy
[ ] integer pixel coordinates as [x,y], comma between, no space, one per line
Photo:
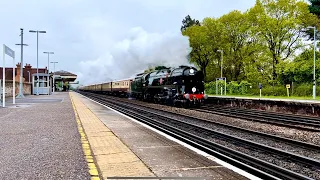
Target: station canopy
[65,76]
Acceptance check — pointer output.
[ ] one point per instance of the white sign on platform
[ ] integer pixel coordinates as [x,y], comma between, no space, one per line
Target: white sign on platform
[9,52]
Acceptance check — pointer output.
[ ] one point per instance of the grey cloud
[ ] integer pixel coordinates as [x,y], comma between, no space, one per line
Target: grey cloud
[133,55]
[97,36]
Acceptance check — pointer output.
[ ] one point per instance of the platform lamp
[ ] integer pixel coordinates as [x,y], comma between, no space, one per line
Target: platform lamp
[54,72]
[221,65]
[33,31]
[48,66]
[48,58]
[314,60]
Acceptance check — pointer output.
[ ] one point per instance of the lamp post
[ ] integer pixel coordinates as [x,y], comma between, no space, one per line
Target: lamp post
[314,61]
[221,65]
[29,76]
[48,58]
[54,71]
[221,59]
[33,31]
[48,66]
[20,95]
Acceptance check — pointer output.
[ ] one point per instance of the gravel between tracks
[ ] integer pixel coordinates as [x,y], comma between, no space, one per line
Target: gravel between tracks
[270,157]
[301,135]
[315,154]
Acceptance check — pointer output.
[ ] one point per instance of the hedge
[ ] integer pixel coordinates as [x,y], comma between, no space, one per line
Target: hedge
[246,88]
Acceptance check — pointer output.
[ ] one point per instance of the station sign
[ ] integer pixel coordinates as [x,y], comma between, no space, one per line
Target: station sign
[220,78]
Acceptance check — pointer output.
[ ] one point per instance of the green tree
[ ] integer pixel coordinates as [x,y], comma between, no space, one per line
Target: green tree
[150,69]
[240,44]
[160,67]
[212,42]
[281,23]
[314,8]
[201,51]
[188,22]
[300,70]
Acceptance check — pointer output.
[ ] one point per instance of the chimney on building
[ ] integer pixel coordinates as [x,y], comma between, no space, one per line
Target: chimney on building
[18,72]
[27,66]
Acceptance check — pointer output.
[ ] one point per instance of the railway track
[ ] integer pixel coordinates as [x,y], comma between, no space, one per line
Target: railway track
[293,121]
[281,139]
[263,160]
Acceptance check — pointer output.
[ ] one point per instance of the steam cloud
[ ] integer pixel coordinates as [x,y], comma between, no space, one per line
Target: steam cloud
[134,54]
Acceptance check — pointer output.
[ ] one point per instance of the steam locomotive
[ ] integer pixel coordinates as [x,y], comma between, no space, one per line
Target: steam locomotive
[174,86]
[182,86]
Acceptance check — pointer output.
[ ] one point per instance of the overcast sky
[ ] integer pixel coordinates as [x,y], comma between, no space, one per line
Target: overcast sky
[105,39]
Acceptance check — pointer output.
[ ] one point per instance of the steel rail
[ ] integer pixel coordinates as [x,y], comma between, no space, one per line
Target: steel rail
[271,136]
[236,157]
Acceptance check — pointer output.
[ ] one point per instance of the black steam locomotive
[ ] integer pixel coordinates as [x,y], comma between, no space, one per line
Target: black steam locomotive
[173,86]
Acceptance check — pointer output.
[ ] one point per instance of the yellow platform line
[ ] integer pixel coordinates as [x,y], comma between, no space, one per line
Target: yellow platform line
[101,146]
[93,170]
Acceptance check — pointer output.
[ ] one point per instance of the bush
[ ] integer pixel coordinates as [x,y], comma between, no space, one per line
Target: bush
[243,87]
[233,87]
[274,91]
[210,88]
[303,90]
[246,88]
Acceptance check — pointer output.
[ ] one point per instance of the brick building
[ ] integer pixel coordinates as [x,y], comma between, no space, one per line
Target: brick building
[25,77]
[27,87]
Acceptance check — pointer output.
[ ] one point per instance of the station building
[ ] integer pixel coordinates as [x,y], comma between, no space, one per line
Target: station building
[61,79]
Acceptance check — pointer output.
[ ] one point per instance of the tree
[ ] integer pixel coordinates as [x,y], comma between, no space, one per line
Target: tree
[150,69]
[200,53]
[155,68]
[212,43]
[188,22]
[160,67]
[314,8]
[281,23]
[300,70]
[240,44]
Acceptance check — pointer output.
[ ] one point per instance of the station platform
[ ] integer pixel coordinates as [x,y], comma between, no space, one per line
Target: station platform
[40,139]
[289,106]
[269,99]
[122,147]
[68,136]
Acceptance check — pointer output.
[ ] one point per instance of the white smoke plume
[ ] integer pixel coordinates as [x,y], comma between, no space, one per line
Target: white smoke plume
[138,51]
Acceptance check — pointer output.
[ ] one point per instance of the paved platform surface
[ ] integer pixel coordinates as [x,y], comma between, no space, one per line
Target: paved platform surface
[40,140]
[113,158]
[162,156]
[270,99]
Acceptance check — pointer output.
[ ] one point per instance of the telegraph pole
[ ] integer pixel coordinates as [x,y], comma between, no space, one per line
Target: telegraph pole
[20,95]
